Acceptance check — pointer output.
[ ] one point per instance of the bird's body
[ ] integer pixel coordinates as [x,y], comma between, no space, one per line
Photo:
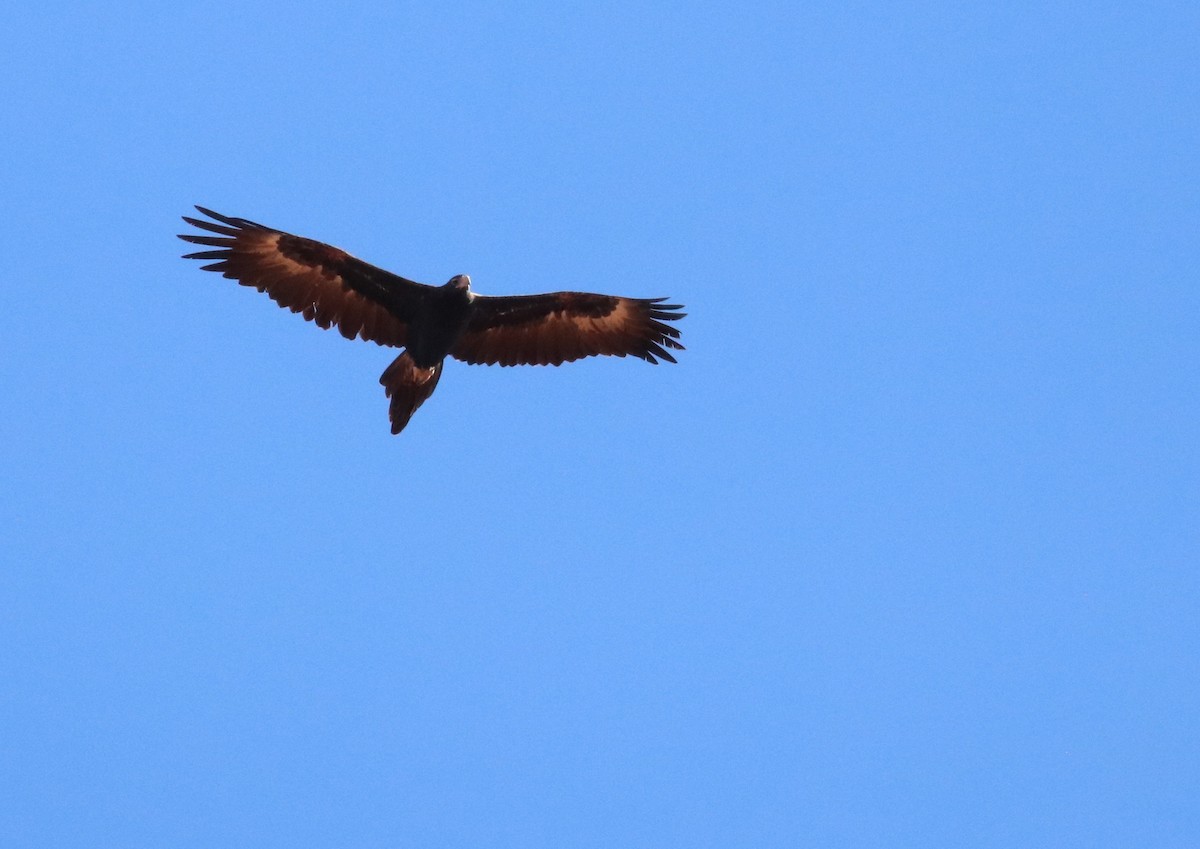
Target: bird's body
[332,288]
[440,322]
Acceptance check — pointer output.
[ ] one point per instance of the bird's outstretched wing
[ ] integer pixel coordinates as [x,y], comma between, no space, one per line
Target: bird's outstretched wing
[563,326]
[324,283]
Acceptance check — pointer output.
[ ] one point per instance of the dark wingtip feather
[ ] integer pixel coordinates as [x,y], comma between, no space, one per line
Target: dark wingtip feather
[203,210]
[236,223]
[210,227]
[663,355]
[660,312]
[211,241]
[665,336]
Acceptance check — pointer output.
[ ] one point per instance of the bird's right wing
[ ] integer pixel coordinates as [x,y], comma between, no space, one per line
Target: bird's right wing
[563,326]
[325,284]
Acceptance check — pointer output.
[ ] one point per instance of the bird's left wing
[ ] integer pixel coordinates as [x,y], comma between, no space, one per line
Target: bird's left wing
[323,283]
[563,326]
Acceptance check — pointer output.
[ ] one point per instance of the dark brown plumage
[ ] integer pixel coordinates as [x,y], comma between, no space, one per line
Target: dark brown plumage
[334,289]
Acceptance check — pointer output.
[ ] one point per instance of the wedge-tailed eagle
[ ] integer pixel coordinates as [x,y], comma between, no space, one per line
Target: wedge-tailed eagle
[330,287]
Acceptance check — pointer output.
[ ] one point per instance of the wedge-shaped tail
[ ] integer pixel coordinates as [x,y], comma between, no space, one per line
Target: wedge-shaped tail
[408,385]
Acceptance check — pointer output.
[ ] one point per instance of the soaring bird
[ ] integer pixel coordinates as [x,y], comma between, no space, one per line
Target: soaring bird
[332,288]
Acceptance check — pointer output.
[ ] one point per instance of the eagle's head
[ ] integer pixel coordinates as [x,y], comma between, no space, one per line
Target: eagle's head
[460,281]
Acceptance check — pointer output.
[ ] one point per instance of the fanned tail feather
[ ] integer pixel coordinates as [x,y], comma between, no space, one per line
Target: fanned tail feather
[408,385]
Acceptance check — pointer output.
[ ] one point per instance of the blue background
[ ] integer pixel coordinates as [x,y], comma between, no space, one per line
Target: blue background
[903,552]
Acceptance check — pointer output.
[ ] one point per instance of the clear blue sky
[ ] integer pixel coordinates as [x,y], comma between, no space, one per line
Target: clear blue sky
[903,552]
